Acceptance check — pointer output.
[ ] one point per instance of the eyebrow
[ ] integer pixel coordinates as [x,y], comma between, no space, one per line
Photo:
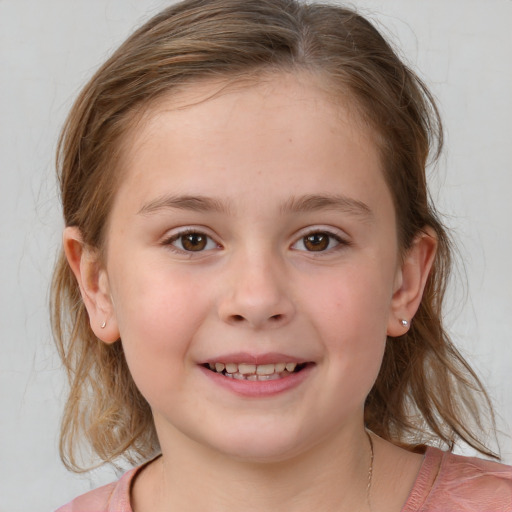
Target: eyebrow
[300,204]
[186,202]
[337,202]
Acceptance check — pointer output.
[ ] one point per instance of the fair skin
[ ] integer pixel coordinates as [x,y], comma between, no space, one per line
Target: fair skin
[254,226]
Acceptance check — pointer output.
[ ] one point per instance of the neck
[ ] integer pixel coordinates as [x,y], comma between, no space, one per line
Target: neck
[331,476]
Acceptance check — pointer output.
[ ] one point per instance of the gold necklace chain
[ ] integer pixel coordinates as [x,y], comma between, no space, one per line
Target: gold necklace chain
[370,472]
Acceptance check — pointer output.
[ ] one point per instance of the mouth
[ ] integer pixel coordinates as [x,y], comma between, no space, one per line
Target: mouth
[256,372]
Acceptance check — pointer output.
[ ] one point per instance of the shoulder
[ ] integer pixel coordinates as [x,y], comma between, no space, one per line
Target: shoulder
[114,497]
[448,482]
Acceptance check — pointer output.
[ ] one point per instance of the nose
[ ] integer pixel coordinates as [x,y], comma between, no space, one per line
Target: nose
[256,294]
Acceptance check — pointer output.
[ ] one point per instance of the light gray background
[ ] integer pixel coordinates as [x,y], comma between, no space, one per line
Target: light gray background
[47,51]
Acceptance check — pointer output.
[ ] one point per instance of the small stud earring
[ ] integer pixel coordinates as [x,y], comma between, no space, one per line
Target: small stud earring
[104,324]
[404,322]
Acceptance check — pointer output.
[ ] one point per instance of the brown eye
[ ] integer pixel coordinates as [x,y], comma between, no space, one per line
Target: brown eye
[319,241]
[316,241]
[193,241]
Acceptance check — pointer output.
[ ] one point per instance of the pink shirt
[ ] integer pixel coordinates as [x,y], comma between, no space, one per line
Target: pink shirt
[445,483]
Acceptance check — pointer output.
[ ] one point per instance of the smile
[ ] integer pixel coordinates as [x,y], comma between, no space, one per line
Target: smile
[255,372]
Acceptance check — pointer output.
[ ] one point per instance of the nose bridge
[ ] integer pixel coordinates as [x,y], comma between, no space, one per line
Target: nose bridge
[256,294]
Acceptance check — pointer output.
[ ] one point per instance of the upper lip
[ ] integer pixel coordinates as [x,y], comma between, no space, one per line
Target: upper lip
[257,359]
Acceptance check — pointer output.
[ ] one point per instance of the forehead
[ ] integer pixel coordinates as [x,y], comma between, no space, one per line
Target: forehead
[308,93]
[279,127]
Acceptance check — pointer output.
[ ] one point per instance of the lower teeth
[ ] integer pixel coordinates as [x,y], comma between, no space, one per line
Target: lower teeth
[254,377]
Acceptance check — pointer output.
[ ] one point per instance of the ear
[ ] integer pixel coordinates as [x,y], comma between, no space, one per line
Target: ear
[94,286]
[410,281]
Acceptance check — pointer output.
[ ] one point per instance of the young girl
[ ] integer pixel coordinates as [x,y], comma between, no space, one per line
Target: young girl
[249,296]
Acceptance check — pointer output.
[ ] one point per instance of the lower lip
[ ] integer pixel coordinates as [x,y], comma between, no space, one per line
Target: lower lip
[256,388]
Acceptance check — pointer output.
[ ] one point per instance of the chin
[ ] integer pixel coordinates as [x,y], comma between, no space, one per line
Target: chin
[262,447]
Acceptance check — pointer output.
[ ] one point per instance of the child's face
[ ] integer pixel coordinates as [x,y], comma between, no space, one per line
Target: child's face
[254,226]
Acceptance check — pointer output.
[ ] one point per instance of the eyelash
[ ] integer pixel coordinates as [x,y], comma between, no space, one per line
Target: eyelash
[169,242]
[340,242]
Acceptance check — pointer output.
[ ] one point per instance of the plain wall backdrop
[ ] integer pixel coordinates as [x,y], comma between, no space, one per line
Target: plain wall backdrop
[48,49]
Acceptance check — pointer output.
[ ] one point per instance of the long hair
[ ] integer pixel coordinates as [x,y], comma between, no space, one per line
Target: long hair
[425,391]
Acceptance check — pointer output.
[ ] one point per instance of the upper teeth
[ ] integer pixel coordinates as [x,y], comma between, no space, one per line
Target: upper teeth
[249,369]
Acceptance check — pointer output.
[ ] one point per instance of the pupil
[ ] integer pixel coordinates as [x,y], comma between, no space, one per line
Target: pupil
[194,242]
[316,242]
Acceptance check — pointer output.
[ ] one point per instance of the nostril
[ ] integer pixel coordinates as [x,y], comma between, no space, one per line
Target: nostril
[241,318]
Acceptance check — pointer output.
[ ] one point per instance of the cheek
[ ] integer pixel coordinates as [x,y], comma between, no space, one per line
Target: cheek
[356,299]
[351,316]
[157,318]
[157,301]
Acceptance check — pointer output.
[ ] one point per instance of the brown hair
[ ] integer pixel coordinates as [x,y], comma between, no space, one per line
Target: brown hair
[425,391]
